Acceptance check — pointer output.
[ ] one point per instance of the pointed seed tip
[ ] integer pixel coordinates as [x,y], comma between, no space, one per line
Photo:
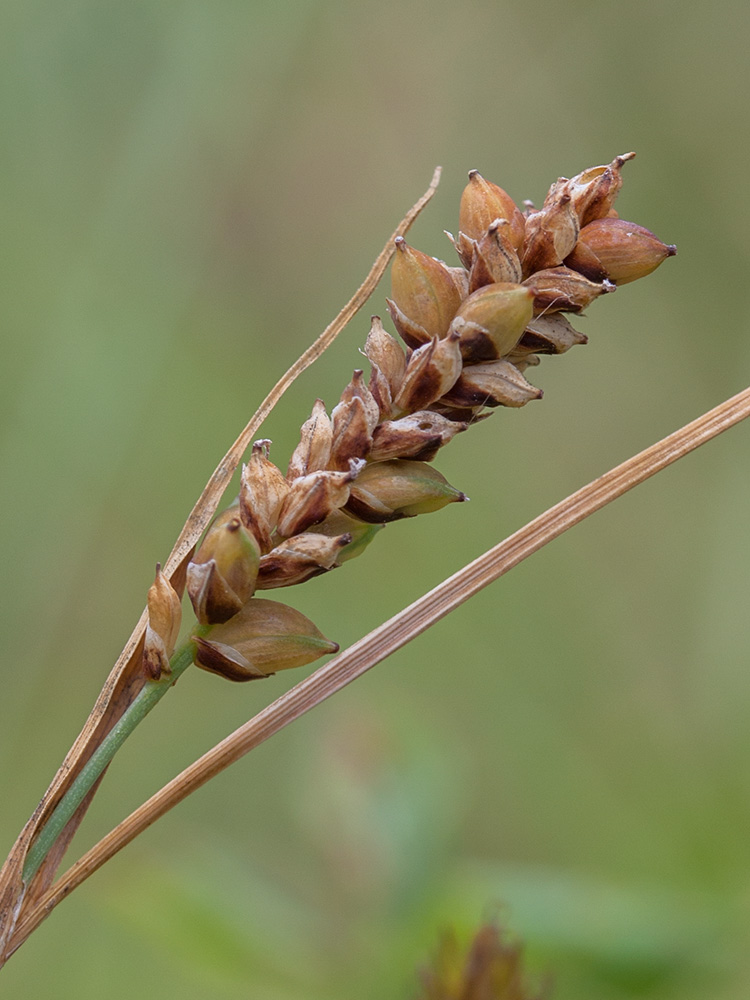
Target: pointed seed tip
[671,250]
[400,242]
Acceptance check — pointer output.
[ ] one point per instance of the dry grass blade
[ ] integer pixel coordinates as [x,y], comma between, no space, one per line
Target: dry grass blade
[392,635]
[126,677]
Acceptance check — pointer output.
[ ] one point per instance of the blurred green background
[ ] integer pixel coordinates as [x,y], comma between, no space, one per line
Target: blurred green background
[190,192]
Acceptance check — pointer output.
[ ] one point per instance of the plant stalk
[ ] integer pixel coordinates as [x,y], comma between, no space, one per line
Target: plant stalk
[152,692]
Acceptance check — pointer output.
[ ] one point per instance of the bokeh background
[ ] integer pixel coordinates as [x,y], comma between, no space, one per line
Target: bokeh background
[189,193]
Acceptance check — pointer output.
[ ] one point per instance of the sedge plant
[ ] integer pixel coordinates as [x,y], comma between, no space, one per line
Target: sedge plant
[467,337]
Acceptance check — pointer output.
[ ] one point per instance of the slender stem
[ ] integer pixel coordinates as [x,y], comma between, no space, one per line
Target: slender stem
[147,697]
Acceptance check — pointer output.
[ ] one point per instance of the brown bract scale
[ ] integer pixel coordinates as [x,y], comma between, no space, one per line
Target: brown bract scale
[262,492]
[491,321]
[314,449]
[389,491]
[300,558]
[386,354]
[263,638]
[466,247]
[418,436]
[471,332]
[430,372]
[594,190]
[424,289]
[492,383]
[481,203]
[624,251]
[551,235]
[351,434]
[412,333]
[354,419]
[560,289]
[163,626]
[361,534]
[495,259]
[312,498]
[550,334]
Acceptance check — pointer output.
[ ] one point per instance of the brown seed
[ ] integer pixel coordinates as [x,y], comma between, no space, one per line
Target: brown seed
[492,383]
[481,203]
[384,351]
[626,251]
[495,258]
[263,638]
[352,436]
[594,190]
[222,574]
[418,436]
[424,289]
[551,334]
[491,321]
[339,523]
[551,235]
[388,491]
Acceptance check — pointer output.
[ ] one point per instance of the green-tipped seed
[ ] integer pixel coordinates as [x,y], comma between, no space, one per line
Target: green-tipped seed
[389,491]
[263,638]
[492,320]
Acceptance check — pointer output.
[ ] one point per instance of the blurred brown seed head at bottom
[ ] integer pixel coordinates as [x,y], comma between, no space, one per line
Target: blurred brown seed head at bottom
[491,969]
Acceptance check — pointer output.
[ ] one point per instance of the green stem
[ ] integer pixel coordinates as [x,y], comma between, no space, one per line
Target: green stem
[147,697]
